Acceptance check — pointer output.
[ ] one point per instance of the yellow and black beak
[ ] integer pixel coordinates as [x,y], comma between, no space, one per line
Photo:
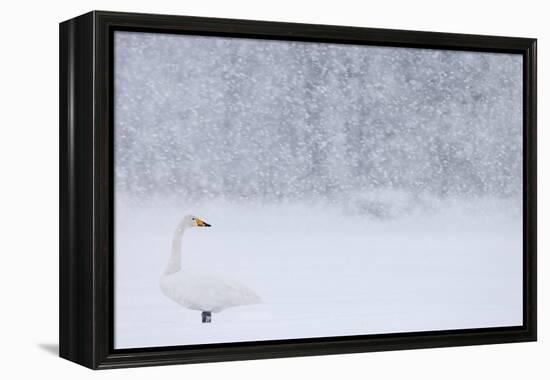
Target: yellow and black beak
[200,223]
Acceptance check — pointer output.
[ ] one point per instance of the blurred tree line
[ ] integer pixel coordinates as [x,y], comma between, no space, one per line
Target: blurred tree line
[205,118]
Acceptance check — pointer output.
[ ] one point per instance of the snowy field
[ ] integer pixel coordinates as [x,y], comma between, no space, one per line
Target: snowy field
[320,271]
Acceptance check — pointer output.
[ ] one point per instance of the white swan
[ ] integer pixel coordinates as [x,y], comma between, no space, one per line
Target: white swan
[203,292]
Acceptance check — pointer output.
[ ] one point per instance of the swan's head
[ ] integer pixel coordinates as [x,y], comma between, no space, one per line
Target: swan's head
[192,221]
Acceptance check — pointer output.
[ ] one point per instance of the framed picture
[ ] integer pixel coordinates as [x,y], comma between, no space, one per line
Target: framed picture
[236,189]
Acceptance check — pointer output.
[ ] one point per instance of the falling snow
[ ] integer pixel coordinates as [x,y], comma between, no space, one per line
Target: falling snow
[336,178]
[241,119]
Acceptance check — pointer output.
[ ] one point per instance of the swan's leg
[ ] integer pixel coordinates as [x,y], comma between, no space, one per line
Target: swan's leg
[206,317]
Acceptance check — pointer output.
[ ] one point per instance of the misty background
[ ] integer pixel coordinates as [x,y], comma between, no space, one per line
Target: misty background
[244,119]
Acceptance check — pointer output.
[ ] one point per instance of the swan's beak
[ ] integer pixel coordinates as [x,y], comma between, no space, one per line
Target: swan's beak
[200,223]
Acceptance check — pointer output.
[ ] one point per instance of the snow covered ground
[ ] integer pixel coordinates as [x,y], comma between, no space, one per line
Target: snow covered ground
[320,271]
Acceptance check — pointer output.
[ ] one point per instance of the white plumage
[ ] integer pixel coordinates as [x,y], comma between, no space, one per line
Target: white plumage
[204,292]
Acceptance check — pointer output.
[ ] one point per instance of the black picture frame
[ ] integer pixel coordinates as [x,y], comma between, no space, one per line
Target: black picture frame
[86,189]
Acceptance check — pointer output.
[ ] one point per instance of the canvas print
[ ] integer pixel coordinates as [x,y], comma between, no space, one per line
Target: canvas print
[269,190]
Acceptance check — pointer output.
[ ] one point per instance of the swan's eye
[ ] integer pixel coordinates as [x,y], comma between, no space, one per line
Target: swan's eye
[192,218]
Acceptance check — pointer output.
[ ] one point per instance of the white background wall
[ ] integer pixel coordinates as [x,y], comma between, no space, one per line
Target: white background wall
[29,190]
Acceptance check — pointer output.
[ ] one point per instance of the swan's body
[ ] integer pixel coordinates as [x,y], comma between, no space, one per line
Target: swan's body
[203,292]
[206,292]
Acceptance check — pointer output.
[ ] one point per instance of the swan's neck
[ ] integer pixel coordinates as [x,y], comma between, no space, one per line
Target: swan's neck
[174,263]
